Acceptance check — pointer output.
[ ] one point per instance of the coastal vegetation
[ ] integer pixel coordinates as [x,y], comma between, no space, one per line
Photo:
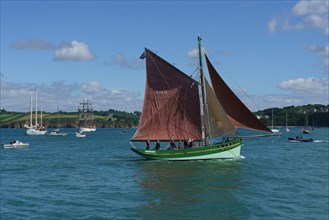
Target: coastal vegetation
[307,115]
[312,115]
[102,119]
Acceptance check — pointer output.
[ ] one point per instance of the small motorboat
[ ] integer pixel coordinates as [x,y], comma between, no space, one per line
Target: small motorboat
[56,132]
[275,130]
[15,144]
[80,135]
[306,131]
[300,139]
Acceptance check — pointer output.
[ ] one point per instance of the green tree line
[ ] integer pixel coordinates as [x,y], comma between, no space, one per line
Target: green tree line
[102,119]
[307,115]
[312,115]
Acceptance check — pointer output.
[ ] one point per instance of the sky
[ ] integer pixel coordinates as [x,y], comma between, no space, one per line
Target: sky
[271,53]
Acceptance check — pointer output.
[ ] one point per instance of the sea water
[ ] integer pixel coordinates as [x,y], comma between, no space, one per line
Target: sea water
[99,177]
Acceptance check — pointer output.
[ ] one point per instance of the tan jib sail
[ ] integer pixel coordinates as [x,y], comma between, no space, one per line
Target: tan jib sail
[218,122]
[171,108]
[239,114]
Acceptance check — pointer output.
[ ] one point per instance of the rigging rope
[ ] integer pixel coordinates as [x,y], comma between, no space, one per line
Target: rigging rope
[241,89]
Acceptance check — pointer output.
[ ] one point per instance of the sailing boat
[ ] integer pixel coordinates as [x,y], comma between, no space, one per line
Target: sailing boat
[274,130]
[305,130]
[86,117]
[287,129]
[172,113]
[35,129]
[57,132]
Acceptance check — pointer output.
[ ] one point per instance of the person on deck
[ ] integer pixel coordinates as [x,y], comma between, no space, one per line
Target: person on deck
[148,144]
[179,146]
[172,145]
[157,146]
[185,144]
[190,143]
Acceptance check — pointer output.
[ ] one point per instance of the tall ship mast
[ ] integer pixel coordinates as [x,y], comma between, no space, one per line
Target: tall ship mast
[86,118]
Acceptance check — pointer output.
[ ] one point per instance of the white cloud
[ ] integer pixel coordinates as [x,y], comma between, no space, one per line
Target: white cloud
[282,100]
[91,87]
[259,102]
[309,86]
[120,60]
[24,44]
[272,25]
[304,15]
[15,97]
[193,53]
[115,92]
[76,51]
[302,91]
[287,26]
[322,52]
[305,7]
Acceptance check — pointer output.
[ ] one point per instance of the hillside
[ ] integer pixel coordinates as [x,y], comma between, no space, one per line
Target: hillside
[315,115]
[102,119]
[311,115]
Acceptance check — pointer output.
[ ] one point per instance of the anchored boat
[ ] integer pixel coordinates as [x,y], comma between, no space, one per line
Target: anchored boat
[56,132]
[86,118]
[15,144]
[35,129]
[174,112]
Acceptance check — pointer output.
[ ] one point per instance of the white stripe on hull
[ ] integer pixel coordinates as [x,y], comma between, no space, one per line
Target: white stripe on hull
[229,154]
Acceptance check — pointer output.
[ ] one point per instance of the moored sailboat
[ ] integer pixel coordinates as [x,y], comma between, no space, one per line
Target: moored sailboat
[306,130]
[287,128]
[172,113]
[35,129]
[274,130]
[56,132]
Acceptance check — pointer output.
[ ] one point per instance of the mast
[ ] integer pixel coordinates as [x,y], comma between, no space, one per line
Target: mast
[272,118]
[57,116]
[202,80]
[31,113]
[41,116]
[36,109]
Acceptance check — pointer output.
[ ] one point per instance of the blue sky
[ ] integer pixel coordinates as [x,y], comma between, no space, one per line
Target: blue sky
[271,53]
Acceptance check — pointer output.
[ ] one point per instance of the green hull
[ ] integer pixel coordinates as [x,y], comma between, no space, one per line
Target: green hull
[225,150]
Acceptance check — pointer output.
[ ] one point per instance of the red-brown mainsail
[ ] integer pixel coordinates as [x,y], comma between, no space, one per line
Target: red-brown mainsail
[238,113]
[171,108]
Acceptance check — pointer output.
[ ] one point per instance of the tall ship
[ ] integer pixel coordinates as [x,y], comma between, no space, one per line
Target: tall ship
[36,128]
[197,120]
[86,117]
